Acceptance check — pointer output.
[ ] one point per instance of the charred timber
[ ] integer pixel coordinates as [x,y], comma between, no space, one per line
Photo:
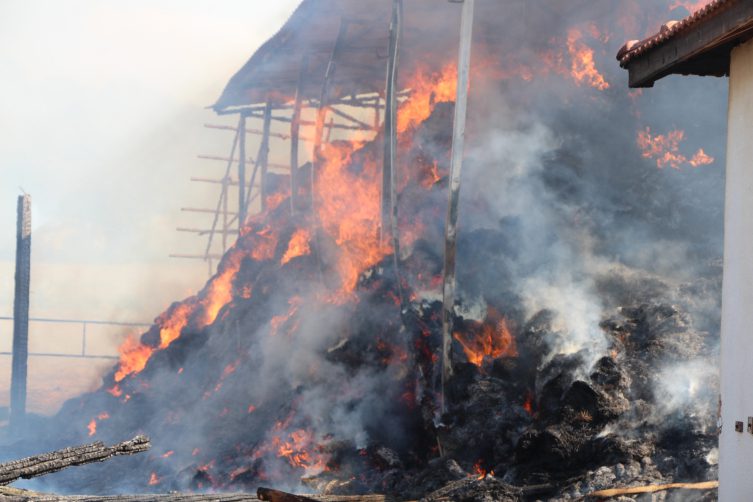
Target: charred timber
[47,463]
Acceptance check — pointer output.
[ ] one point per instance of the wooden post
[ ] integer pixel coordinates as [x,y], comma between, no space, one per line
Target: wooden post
[295,133]
[242,173]
[21,314]
[263,158]
[458,147]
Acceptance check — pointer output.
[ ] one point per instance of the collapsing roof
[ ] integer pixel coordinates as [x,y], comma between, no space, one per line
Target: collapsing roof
[698,45]
[357,31]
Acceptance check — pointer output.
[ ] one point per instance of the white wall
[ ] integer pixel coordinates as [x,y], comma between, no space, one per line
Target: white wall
[736,449]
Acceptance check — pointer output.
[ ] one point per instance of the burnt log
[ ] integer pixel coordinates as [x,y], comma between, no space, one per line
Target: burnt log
[47,463]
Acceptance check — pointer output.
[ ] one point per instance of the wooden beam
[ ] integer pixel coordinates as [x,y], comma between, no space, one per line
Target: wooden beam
[242,208]
[263,158]
[726,28]
[458,149]
[47,463]
[19,365]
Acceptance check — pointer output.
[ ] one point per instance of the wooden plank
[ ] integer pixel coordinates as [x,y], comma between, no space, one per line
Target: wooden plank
[634,490]
[724,29]
[458,149]
[295,134]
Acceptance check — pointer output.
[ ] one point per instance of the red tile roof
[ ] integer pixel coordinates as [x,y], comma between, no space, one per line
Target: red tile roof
[635,48]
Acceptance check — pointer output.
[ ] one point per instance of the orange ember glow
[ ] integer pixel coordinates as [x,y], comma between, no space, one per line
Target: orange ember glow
[300,451]
[115,391]
[491,339]
[298,246]
[92,427]
[479,471]
[665,149]
[153,479]
[583,68]
[528,404]
[167,454]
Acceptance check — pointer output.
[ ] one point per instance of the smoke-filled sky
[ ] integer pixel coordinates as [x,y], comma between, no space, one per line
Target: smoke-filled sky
[102,106]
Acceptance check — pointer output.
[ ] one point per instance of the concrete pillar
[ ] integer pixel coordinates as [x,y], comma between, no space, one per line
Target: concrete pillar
[736,448]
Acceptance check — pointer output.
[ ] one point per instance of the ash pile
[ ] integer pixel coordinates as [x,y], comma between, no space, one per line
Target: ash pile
[585,328]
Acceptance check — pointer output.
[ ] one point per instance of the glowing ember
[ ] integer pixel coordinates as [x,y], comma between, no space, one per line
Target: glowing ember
[168,454]
[490,339]
[480,472]
[153,479]
[298,246]
[528,404]
[92,427]
[583,68]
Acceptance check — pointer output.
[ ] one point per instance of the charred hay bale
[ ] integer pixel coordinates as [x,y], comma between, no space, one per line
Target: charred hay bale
[488,489]
[485,425]
[587,403]
[438,473]
[562,451]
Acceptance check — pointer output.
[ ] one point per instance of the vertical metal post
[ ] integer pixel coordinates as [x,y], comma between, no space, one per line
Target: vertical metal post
[263,158]
[83,339]
[242,172]
[458,147]
[390,122]
[295,133]
[19,369]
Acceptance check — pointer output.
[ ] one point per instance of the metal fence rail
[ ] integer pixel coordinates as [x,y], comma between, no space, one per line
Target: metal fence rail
[84,323]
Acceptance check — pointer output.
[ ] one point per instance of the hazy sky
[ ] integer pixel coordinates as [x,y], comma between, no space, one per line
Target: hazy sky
[102,106]
[102,113]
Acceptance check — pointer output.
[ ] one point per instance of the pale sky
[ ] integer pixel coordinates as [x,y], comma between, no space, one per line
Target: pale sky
[102,107]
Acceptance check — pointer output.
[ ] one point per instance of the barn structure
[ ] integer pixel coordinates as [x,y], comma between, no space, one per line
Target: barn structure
[718,41]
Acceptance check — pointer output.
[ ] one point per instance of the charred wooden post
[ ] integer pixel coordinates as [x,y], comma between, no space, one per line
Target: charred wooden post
[242,206]
[262,159]
[295,133]
[458,147]
[21,313]
[47,463]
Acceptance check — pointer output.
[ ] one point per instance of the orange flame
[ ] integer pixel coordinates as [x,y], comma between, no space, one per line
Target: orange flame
[298,245]
[666,149]
[153,479]
[427,89]
[583,68]
[92,427]
[491,338]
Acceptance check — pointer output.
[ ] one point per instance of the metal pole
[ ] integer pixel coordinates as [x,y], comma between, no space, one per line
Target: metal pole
[458,146]
[19,369]
[295,132]
[263,158]
[389,199]
[242,173]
